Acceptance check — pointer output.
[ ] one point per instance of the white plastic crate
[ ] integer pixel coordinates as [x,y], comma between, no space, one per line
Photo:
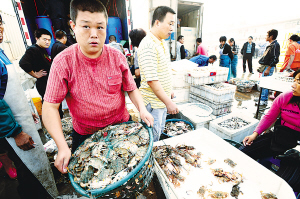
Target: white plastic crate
[218,108]
[181,95]
[196,120]
[238,134]
[207,75]
[218,95]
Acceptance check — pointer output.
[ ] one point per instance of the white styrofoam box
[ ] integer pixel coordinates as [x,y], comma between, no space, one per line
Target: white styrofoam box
[218,108]
[218,95]
[197,120]
[178,80]
[181,95]
[256,178]
[238,134]
[179,70]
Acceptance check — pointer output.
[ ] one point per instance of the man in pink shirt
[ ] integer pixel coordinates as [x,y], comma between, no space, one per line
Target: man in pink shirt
[201,50]
[92,77]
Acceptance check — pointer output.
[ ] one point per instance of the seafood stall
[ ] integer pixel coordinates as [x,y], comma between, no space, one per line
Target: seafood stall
[199,164]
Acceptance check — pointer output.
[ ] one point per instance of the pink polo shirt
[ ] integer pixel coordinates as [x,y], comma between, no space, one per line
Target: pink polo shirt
[93,88]
[290,114]
[201,50]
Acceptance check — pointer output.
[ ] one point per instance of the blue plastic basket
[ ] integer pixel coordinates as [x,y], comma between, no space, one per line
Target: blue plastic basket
[177,120]
[123,182]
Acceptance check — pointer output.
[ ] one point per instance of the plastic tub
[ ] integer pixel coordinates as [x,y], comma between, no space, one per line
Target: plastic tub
[176,120]
[143,172]
[37,101]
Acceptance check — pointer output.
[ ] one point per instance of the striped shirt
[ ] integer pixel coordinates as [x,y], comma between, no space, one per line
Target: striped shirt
[154,63]
[93,87]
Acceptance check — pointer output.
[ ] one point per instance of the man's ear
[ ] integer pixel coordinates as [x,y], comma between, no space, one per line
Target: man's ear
[72,24]
[157,23]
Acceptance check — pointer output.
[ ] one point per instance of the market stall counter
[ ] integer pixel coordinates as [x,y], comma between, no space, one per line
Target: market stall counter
[224,170]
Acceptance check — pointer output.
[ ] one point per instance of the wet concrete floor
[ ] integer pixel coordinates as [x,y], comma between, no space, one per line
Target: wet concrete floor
[243,102]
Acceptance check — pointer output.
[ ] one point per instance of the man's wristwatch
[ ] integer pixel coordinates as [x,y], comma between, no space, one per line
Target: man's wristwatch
[290,70]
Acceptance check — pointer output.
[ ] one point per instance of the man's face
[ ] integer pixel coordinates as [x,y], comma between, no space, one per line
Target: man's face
[181,40]
[250,40]
[222,42]
[198,43]
[211,61]
[90,32]
[1,31]
[166,27]
[44,41]
[268,38]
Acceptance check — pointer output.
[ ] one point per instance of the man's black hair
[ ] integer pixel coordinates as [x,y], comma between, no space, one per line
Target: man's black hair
[0,18]
[160,13]
[136,36]
[199,40]
[112,38]
[39,32]
[223,38]
[273,33]
[86,5]
[250,37]
[59,34]
[295,38]
[180,37]
[214,57]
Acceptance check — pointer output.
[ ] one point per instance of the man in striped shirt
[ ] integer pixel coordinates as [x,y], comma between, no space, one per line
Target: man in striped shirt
[92,77]
[154,62]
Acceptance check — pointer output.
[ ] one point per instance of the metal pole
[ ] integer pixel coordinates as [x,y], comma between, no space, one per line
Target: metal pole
[19,22]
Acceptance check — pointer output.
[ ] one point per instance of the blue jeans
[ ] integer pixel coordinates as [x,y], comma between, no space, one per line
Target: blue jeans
[265,92]
[234,63]
[159,116]
[225,61]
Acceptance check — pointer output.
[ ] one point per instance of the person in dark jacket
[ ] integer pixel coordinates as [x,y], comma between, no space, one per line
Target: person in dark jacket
[226,55]
[269,59]
[248,51]
[36,61]
[59,45]
[180,51]
[58,11]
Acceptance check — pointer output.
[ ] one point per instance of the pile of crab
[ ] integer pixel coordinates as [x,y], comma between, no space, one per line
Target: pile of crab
[177,128]
[109,155]
[169,159]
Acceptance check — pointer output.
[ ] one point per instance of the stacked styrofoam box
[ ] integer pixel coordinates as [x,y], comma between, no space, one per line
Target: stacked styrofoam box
[218,108]
[197,121]
[181,88]
[238,134]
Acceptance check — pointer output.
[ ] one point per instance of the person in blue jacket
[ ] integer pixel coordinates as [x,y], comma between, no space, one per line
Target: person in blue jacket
[29,186]
[203,60]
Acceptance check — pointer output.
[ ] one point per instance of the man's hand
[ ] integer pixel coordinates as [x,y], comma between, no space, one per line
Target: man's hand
[267,71]
[62,160]
[35,118]
[41,73]
[172,108]
[24,141]
[147,117]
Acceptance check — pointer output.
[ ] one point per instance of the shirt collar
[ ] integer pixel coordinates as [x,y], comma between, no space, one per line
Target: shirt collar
[155,39]
[93,60]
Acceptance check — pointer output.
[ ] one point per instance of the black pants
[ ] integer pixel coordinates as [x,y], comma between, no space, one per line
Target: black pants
[29,186]
[260,148]
[247,57]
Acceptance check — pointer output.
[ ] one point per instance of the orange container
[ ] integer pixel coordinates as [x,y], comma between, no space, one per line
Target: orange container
[37,101]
